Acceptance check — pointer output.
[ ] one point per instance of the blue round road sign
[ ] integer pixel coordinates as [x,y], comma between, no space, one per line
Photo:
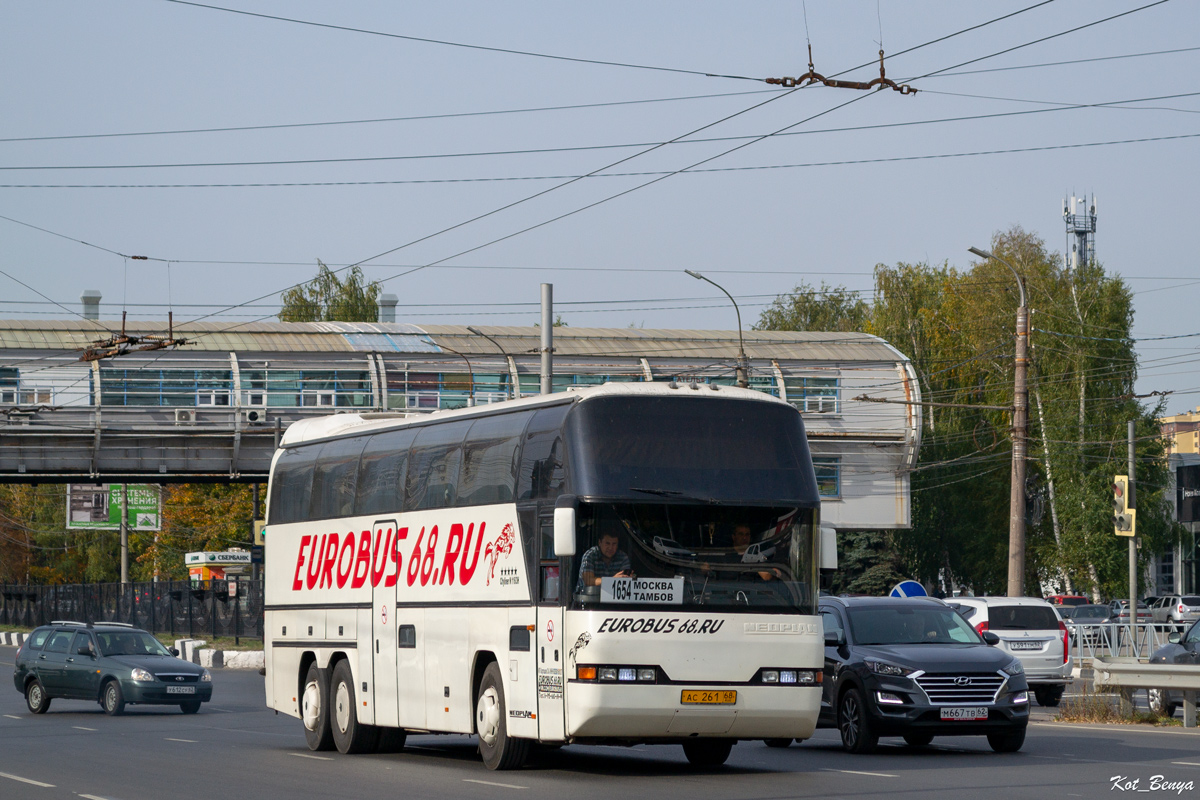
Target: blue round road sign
[909,589]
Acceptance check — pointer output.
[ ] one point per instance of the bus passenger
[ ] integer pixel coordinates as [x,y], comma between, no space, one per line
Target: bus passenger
[605,560]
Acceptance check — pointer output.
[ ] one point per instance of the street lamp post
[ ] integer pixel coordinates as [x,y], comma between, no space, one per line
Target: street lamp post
[740,370]
[1016,504]
[478,332]
[470,373]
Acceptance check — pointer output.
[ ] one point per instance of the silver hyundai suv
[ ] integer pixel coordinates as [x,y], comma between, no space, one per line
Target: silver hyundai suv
[1032,630]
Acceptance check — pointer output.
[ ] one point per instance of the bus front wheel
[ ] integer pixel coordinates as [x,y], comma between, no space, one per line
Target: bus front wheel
[314,710]
[498,749]
[707,752]
[350,735]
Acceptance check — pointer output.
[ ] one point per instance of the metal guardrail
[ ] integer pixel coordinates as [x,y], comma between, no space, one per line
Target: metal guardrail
[1132,674]
[1118,640]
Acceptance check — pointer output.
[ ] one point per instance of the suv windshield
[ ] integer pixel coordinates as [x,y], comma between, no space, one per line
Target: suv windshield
[930,624]
[659,555]
[1022,618]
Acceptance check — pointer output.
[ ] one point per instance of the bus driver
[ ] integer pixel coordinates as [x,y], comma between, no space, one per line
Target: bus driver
[605,560]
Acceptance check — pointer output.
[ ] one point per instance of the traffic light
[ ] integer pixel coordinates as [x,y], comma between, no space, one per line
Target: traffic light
[1124,518]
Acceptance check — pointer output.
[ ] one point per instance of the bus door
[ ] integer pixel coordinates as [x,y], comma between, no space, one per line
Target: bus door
[384,642]
[551,653]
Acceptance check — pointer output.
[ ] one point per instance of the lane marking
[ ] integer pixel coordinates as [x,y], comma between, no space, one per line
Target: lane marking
[26,780]
[189,741]
[493,783]
[81,728]
[859,772]
[306,755]
[10,716]
[93,797]
[1187,763]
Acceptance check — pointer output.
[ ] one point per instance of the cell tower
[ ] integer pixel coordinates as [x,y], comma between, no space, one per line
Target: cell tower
[1080,216]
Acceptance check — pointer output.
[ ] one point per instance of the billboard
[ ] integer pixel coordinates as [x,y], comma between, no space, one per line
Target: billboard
[97,506]
[1187,493]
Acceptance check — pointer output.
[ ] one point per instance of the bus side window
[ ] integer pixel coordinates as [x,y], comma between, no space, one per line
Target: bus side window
[291,484]
[334,478]
[381,472]
[489,471]
[543,458]
[433,466]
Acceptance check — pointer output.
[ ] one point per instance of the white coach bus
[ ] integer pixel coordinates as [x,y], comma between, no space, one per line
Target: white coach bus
[630,563]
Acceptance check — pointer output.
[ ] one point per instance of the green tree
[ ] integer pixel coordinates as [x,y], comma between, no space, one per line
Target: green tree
[958,329]
[808,309]
[328,297]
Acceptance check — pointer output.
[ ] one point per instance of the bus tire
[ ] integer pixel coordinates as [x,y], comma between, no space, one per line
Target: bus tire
[707,752]
[314,710]
[777,742]
[349,735]
[496,747]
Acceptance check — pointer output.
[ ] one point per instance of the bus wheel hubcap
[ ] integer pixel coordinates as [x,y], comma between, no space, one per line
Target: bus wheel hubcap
[312,705]
[487,716]
[342,707]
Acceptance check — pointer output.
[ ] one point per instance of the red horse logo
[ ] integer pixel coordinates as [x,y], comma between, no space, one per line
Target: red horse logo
[501,547]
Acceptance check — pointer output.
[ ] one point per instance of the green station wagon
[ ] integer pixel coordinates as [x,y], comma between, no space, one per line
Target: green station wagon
[108,662]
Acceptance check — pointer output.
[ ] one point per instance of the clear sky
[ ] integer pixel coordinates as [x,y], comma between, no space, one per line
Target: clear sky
[845,185]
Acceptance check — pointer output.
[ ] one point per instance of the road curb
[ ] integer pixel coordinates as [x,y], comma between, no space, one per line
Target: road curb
[194,650]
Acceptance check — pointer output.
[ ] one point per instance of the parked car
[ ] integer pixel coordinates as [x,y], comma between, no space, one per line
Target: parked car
[1067,600]
[1119,612]
[1177,609]
[110,663]
[1182,649]
[1030,629]
[912,667]
[1086,624]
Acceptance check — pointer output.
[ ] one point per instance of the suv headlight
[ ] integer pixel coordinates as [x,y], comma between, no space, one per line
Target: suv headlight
[884,668]
[206,676]
[140,674]
[1014,668]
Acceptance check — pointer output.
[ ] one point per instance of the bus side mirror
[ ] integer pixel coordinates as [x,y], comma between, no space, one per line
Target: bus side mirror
[564,524]
[564,531]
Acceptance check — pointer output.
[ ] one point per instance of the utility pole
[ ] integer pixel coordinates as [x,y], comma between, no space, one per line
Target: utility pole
[547,376]
[1131,502]
[1016,498]
[124,534]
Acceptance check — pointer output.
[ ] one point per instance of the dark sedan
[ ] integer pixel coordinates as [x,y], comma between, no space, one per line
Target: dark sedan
[109,663]
[1182,649]
[912,667]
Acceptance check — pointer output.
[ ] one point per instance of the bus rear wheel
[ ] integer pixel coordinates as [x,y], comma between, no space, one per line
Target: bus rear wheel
[314,710]
[707,752]
[349,735]
[496,747]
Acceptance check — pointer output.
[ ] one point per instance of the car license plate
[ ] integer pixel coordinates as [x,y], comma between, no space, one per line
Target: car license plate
[968,713]
[709,698]
[1024,645]
[181,690]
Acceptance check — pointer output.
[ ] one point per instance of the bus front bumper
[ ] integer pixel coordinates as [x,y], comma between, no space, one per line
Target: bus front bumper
[629,711]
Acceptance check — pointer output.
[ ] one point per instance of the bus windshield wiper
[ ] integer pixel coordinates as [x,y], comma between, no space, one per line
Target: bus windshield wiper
[673,493]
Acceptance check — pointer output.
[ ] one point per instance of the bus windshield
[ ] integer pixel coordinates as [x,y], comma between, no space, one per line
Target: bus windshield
[656,556]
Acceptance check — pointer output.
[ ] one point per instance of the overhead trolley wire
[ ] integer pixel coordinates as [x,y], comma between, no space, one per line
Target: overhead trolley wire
[446,43]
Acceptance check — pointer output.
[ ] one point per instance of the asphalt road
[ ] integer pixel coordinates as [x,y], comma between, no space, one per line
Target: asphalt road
[236,748]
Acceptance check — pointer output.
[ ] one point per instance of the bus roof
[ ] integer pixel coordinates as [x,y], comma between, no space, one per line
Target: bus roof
[335,425]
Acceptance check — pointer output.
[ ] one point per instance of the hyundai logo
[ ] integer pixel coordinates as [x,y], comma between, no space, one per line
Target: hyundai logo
[962,680]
